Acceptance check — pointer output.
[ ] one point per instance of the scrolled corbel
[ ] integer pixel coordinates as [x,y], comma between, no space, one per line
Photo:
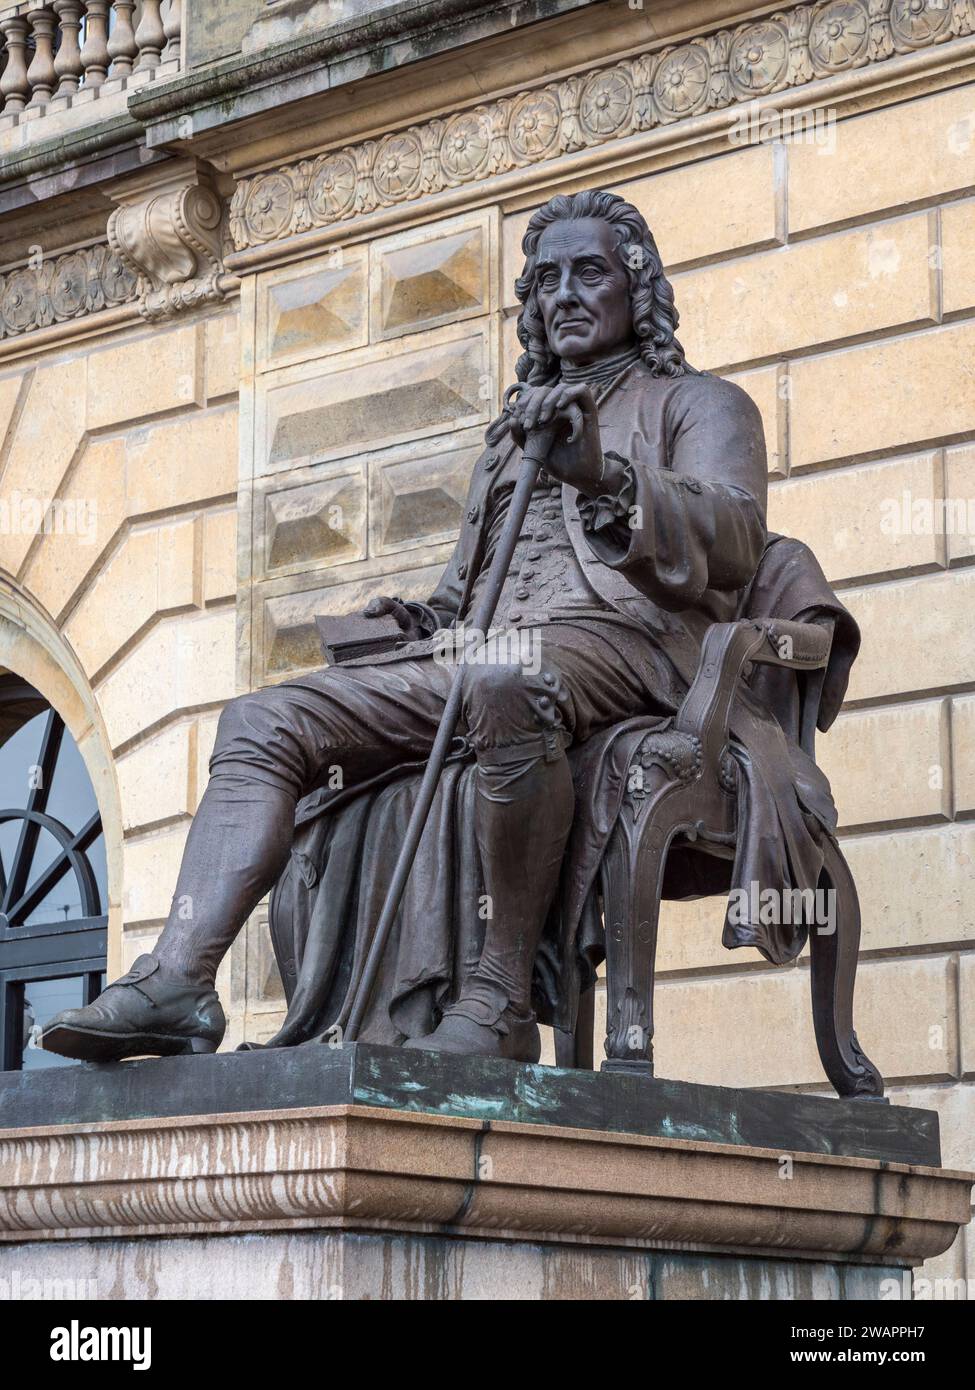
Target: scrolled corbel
[172,239]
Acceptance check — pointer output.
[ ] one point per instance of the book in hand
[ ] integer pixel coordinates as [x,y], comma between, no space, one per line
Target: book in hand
[353,635]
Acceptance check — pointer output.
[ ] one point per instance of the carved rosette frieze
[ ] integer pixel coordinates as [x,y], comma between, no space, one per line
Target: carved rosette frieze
[172,241]
[786,49]
[62,288]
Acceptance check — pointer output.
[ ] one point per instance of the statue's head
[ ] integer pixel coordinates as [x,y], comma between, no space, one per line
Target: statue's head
[592,285]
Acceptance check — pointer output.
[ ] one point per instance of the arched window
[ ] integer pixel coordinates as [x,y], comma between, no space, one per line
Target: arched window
[53,881]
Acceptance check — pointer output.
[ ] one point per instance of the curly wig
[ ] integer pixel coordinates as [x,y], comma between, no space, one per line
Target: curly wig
[654,315]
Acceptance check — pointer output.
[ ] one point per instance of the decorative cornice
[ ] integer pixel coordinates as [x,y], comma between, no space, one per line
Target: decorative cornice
[786,50]
[64,288]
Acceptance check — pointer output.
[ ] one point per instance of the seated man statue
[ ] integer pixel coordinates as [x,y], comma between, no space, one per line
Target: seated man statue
[645,526]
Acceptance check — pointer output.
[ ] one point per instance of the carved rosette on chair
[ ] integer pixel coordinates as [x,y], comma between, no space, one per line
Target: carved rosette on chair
[173,240]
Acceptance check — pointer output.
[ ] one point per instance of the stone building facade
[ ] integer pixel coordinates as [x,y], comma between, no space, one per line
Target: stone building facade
[256,309]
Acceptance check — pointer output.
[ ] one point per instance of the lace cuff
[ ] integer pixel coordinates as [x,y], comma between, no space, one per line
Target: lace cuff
[602,511]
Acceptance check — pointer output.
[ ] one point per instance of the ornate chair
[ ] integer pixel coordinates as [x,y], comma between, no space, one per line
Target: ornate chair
[687,797]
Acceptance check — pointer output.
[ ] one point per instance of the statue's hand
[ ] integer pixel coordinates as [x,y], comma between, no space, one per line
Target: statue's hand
[577,455]
[410,622]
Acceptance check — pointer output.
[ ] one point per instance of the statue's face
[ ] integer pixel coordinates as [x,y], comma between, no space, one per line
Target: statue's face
[583,290]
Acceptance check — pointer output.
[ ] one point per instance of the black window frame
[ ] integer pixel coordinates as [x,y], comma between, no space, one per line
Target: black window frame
[45,950]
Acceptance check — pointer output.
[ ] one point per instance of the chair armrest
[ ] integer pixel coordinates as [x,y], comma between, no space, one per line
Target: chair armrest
[726,650]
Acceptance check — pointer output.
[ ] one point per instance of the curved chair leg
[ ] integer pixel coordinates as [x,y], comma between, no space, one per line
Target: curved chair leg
[833,958]
[632,879]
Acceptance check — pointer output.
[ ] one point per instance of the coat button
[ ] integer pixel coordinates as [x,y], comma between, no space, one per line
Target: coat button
[521,593]
[491,462]
[692,485]
[461,571]
[474,513]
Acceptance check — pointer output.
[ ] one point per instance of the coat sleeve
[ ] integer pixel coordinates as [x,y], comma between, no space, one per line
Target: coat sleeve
[694,520]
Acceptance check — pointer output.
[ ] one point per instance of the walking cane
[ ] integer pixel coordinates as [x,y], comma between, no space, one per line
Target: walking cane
[537,448]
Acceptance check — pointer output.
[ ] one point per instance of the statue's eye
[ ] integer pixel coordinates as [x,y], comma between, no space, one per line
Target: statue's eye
[548,280]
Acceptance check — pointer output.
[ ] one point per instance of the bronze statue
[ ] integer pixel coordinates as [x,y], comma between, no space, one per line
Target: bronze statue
[644,527]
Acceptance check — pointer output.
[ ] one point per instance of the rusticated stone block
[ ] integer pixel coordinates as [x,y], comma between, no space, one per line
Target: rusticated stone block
[958,251]
[935,142]
[46,439]
[141,377]
[219,555]
[867,280]
[441,273]
[966,1003]
[191,459]
[154,779]
[151,573]
[223,354]
[433,384]
[960,508]
[963,753]
[914,886]
[316,308]
[182,663]
[889,765]
[904,1014]
[417,495]
[877,519]
[917,635]
[151,865]
[898,393]
[310,523]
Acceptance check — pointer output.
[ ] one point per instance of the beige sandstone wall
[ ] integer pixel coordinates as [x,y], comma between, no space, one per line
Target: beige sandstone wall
[142,429]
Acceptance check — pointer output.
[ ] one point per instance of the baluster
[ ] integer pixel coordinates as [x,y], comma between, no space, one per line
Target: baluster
[41,74]
[150,35]
[67,64]
[122,47]
[14,86]
[94,54]
[173,28]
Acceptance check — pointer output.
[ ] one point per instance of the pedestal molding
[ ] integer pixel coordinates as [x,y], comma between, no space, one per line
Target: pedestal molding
[364,1168]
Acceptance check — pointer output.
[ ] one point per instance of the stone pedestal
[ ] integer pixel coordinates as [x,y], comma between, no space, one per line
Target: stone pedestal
[380,1174]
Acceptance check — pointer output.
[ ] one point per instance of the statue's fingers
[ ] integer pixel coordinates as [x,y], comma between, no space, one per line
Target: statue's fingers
[580,395]
[576,420]
[549,405]
[533,410]
[378,607]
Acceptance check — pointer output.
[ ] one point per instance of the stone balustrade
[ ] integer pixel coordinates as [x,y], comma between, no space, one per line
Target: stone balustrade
[65,53]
